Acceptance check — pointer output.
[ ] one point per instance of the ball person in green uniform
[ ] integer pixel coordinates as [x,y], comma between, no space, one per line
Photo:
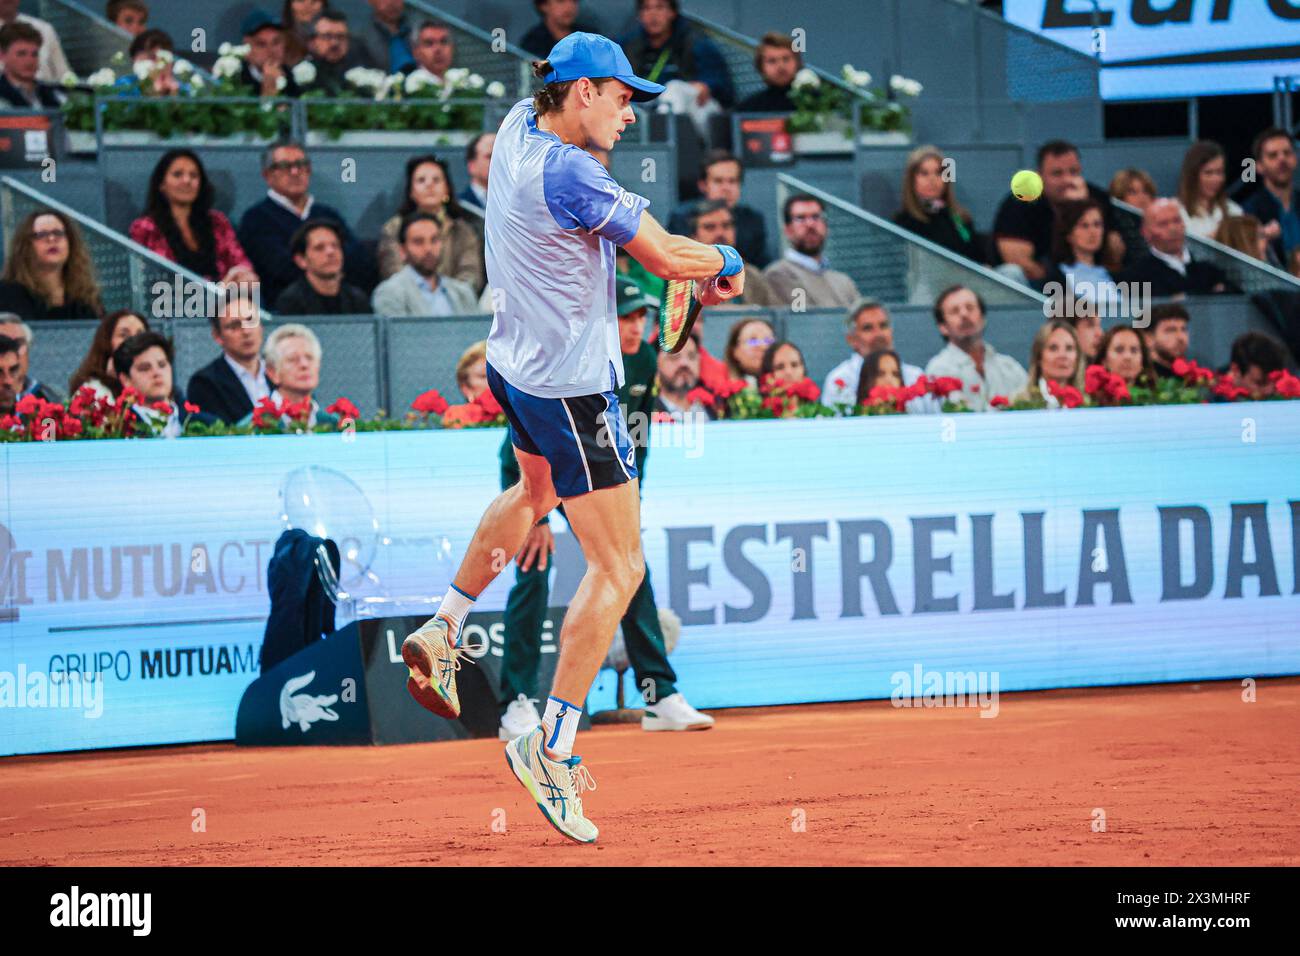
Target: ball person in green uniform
[665,707]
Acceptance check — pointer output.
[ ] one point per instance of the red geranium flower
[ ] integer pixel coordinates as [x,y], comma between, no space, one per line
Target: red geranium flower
[776,403]
[730,387]
[266,413]
[701,395]
[9,423]
[945,385]
[344,409]
[70,427]
[470,413]
[806,389]
[1285,384]
[430,403]
[28,405]
[1067,395]
[488,402]
[999,401]
[1229,390]
[840,383]
[191,408]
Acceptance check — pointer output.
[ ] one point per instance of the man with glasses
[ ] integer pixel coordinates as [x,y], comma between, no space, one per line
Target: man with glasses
[801,277]
[330,46]
[433,48]
[266,232]
[235,381]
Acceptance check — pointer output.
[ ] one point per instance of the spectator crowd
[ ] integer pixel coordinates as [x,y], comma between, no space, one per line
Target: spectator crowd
[305,258]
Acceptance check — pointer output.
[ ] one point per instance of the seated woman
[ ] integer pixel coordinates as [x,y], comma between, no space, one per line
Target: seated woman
[429,189]
[1135,187]
[1077,236]
[1054,358]
[930,207]
[1203,190]
[96,369]
[1123,352]
[48,273]
[1247,236]
[882,368]
[298,21]
[180,224]
[747,342]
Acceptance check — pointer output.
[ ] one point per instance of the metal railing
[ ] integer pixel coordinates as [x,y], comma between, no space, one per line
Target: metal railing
[89,41]
[889,263]
[1285,89]
[127,272]
[1249,274]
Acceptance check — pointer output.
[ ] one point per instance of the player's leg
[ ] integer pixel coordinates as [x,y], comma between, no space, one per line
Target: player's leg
[524,618]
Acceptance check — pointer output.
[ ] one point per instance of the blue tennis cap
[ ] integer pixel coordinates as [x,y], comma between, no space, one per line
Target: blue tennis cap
[595,56]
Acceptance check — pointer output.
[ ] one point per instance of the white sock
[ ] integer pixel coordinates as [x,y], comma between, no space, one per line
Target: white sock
[455,607]
[560,727]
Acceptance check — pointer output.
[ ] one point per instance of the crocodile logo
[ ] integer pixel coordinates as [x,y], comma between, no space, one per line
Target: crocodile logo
[305,709]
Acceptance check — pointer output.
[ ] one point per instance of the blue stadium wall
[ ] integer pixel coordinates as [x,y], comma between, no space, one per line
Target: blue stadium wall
[809,560]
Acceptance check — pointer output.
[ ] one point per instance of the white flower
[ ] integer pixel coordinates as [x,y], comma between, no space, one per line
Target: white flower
[362,77]
[859,78]
[118,58]
[69,79]
[806,77]
[163,56]
[241,51]
[901,84]
[418,80]
[183,67]
[496,89]
[390,86]
[475,81]
[304,74]
[226,66]
[224,49]
[142,69]
[280,83]
[104,77]
[197,82]
[457,76]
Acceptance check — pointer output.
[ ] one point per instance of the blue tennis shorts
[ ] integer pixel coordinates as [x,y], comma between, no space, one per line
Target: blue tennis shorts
[585,439]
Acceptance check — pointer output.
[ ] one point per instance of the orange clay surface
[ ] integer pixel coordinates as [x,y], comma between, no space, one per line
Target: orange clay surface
[1185,774]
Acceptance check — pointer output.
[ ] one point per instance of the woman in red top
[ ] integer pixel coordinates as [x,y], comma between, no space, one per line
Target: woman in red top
[180,224]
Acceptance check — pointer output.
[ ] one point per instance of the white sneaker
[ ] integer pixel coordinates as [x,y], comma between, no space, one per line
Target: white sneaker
[674,713]
[556,786]
[520,717]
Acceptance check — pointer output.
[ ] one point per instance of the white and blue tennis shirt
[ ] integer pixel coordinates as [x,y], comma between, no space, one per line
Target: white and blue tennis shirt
[554,218]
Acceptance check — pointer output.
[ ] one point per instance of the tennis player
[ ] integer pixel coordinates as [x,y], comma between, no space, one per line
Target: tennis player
[554,217]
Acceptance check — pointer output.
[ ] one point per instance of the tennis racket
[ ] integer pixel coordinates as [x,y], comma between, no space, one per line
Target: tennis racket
[678,311]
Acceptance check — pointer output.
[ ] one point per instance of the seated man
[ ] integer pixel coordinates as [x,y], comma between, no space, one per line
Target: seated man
[235,381]
[417,288]
[559,18]
[130,15]
[144,362]
[712,222]
[264,72]
[985,372]
[1167,264]
[1168,337]
[678,376]
[777,63]
[11,326]
[53,66]
[870,329]
[1276,201]
[330,50]
[292,356]
[20,47]
[1255,357]
[384,43]
[433,48]
[478,161]
[267,229]
[317,249]
[664,48]
[11,376]
[802,273]
[1023,230]
[721,177]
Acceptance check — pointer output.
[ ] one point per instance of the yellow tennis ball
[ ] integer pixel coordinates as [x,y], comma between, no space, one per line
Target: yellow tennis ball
[1026,185]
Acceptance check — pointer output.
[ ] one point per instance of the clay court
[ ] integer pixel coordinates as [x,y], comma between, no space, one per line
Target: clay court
[1186,774]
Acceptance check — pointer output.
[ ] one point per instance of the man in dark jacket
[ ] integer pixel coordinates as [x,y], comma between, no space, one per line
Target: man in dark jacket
[267,229]
[318,251]
[559,19]
[666,48]
[20,46]
[1168,265]
[777,63]
[263,70]
[235,381]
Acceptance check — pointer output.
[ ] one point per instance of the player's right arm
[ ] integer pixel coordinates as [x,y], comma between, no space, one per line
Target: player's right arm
[672,257]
